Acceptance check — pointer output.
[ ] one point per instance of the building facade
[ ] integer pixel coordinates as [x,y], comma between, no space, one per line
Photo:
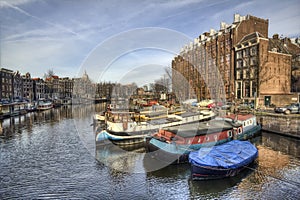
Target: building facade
[66,90]
[6,83]
[38,89]
[260,63]
[17,86]
[237,62]
[27,87]
[53,87]
[210,58]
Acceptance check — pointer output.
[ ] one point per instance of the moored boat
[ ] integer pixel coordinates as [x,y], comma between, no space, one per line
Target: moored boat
[133,126]
[44,105]
[250,126]
[173,145]
[223,160]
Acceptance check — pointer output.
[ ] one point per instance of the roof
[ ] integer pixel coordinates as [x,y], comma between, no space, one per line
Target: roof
[278,45]
[201,128]
[251,36]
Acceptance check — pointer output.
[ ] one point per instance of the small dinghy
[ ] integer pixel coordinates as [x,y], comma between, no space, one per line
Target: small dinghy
[223,160]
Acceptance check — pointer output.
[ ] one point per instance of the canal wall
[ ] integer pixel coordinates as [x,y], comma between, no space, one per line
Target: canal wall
[288,125]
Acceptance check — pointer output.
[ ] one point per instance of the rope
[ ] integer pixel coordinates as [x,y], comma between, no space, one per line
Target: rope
[294,183]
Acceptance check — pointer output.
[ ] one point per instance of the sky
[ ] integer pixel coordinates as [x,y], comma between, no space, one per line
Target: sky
[119,41]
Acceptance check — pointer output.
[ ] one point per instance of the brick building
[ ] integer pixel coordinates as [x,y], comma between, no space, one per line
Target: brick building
[207,64]
[260,63]
[238,61]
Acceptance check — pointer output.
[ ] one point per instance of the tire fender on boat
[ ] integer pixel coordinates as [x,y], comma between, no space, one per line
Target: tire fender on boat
[125,125]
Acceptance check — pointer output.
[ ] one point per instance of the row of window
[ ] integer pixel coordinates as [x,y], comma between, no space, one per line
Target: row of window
[246,73]
[246,89]
[252,51]
[246,62]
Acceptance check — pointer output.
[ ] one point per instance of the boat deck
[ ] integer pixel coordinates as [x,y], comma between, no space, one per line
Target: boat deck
[199,128]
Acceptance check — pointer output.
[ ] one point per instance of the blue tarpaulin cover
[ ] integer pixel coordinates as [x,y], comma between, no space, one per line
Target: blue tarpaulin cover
[231,155]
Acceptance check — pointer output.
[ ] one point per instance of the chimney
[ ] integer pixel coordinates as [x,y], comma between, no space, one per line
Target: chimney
[206,34]
[222,25]
[212,31]
[236,18]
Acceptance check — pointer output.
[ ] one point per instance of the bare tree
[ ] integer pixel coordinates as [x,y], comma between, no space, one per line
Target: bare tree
[49,73]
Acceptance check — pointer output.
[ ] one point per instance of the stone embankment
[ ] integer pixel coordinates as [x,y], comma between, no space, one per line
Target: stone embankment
[288,125]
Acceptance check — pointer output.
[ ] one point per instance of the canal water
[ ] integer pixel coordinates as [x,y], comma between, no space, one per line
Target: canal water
[52,155]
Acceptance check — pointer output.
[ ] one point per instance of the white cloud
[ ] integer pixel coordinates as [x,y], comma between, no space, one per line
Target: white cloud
[14,2]
[60,34]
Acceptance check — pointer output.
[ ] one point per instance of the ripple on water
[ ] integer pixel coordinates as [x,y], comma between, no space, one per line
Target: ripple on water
[47,159]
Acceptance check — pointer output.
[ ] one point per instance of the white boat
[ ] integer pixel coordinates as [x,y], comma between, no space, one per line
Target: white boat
[44,105]
[130,127]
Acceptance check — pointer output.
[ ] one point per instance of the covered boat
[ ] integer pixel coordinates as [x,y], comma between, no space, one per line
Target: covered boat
[223,160]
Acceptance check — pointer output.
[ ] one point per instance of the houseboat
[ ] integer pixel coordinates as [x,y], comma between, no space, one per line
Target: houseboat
[131,127]
[173,144]
[44,105]
[12,109]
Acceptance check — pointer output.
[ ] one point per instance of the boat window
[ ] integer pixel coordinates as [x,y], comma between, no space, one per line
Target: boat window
[240,130]
[207,138]
[251,122]
[229,133]
[244,123]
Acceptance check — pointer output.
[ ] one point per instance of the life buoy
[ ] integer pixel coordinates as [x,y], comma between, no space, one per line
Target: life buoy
[216,138]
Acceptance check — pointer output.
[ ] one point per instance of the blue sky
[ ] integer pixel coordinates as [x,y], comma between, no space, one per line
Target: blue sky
[126,41]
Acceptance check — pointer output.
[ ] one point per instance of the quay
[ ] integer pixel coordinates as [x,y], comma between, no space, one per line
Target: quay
[287,125]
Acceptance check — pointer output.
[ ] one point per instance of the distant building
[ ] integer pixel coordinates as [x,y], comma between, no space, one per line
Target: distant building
[27,87]
[38,89]
[52,87]
[84,91]
[18,90]
[66,89]
[104,90]
[6,83]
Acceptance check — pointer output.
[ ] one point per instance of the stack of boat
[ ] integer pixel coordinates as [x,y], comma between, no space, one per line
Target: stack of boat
[181,138]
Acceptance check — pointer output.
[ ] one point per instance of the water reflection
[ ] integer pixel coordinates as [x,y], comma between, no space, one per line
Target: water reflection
[45,150]
[121,159]
[14,125]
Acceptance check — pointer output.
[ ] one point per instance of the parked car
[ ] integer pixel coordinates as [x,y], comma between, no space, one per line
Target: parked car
[288,109]
[214,105]
[246,106]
